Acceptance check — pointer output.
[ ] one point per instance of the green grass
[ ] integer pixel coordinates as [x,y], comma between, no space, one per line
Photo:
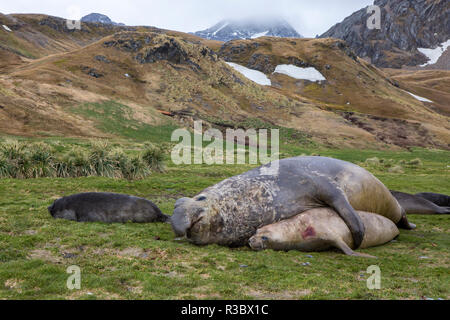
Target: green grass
[113,117]
[132,261]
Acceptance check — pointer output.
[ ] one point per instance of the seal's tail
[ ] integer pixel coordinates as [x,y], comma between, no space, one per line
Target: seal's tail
[164,218]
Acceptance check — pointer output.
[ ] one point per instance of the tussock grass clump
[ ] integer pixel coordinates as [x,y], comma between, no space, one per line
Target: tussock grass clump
[41,160]
[373,161]
[396,169]
[19,160]
[391,165]
[154,157]
[415,163]
[75,164]
[101,162]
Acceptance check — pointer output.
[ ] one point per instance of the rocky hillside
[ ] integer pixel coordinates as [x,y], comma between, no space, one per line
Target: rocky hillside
[406,26]
[432,84]
[133,78]
[32,36]
[227,30]
[352,87]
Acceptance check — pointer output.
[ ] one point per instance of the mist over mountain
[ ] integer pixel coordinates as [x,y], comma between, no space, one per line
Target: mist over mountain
[250,28]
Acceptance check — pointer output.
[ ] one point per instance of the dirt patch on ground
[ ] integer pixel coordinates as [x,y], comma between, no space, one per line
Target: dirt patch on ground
[97,293]
[132,253]
[200,293]
[281,295]
[45,255]
[14,284]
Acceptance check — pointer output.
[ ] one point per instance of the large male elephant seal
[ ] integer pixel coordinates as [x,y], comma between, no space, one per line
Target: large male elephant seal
[416,204]
[321,229]
[106,207]
[230,212]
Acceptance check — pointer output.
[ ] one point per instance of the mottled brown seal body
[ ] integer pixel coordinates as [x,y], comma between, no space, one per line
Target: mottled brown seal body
[230,212]
[322,229]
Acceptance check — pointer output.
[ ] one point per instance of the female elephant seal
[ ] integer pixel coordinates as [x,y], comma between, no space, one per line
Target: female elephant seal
[230,212]
[106,207]
[322,229]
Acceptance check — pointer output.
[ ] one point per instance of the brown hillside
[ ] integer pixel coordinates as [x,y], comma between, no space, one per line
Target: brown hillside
[352,85]
[431,84]
[179,74]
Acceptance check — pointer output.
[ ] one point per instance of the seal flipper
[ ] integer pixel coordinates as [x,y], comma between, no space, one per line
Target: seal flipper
[348,251]
[336,199]
[404,223]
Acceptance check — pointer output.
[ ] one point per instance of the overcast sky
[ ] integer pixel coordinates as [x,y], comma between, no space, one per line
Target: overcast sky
[309,17]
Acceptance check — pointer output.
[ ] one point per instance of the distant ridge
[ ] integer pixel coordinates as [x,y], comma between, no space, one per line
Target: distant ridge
[99,18]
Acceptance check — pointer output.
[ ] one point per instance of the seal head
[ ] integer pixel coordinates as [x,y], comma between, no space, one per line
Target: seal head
[192,218]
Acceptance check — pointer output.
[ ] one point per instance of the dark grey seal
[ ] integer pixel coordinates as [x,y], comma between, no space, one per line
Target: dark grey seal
[106,207]
[441,200]
[417,204]
[231,212]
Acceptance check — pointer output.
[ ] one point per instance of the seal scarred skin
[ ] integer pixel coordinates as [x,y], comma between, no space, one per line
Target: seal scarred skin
[106,207]
[321,229]
[419,204]
[230,212]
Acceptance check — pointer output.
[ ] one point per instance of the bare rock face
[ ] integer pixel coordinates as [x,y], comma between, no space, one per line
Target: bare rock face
[153,47]
[405,26]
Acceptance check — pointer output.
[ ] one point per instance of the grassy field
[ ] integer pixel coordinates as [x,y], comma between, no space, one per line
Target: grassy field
[132,261]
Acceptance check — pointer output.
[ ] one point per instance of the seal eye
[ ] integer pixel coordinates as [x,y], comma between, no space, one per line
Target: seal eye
[202,198]
[264,238]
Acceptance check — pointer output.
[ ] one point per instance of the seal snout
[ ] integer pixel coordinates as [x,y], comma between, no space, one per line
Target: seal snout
[257,243]
[180,222]
[51,209]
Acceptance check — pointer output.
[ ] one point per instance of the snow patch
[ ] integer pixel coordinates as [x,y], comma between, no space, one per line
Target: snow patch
[295,72]
[253,75]
[419,97]
[224,25]
[261,34]
[434,54]
[7,28]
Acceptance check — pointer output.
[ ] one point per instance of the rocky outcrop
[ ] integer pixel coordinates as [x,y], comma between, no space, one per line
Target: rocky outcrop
[405,26]
[153,47]
[234,51]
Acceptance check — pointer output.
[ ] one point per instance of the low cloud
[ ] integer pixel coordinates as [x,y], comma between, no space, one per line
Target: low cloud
[308,17]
